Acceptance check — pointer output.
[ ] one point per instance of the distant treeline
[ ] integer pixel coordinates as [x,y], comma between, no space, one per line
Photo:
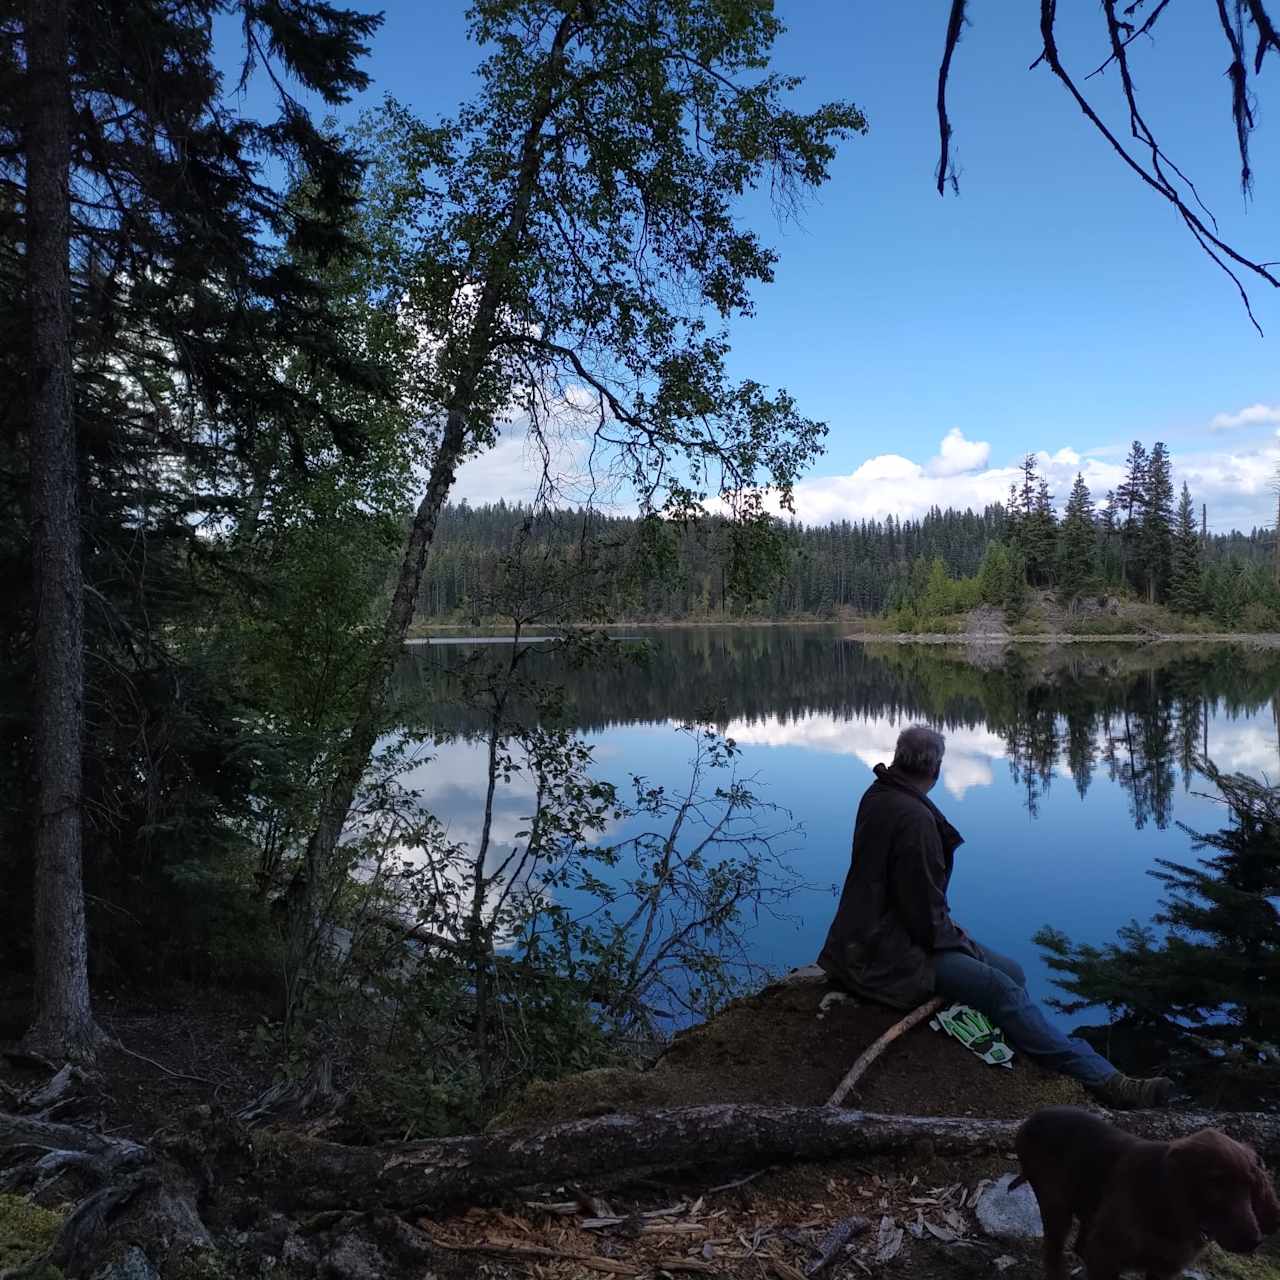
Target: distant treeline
[864,566]
[1139,543]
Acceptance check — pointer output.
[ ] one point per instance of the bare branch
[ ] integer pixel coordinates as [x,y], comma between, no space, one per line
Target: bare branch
[1241,112]
[946,166]
[1221,253]
[1160,173]
[1132,35]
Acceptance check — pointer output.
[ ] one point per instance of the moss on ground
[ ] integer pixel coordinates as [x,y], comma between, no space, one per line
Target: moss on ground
[1263,1265]
[26,1231]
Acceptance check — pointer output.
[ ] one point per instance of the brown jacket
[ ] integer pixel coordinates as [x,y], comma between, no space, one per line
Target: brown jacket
[893,912]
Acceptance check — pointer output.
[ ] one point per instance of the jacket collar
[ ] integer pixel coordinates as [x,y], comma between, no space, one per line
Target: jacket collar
[888,775]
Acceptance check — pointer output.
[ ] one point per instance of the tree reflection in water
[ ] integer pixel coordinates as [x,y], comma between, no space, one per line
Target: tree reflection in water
[1139,712]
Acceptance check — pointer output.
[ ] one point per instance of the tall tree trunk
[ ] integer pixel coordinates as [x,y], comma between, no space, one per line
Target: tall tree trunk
[357,749]
[64,1026]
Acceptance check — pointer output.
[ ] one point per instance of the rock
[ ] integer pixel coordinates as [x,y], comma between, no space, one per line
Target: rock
[1009,1215]
[355,1259]
[802,976]
[832,998]
[135,1265]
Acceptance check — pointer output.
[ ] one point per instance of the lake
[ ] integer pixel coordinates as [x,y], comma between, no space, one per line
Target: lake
[1069,772]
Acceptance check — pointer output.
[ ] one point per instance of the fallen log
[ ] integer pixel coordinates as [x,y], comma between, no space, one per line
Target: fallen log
[420,1176]
[148,1195]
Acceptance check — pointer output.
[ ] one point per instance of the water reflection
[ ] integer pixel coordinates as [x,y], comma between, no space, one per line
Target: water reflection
[1138,714]
[1068,773]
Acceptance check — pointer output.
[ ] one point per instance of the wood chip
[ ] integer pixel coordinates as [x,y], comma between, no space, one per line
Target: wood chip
[784,1270]
[519,1249]
[561,1208]
[889,1240]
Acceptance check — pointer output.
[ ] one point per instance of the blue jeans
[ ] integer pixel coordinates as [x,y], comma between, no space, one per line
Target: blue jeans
[996,986]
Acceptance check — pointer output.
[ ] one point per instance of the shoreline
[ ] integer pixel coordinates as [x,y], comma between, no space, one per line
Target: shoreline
[422,630]
[1256,639]
[1253,639]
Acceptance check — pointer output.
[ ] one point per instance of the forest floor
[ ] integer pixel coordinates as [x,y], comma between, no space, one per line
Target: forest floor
[913,1213]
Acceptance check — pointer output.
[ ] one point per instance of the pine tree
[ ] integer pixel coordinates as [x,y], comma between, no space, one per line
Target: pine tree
[1155,538]
[1186,592]
[1078,542]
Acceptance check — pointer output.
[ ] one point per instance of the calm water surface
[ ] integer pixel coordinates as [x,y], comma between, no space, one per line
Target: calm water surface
[1067,774]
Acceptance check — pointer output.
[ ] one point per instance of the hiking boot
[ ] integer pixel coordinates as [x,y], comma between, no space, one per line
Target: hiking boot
[1131,1093]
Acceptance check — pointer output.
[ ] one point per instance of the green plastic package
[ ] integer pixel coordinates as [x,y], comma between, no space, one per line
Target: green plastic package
[976,1032]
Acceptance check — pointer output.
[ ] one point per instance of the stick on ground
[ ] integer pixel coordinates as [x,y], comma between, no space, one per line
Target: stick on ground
[869,1055]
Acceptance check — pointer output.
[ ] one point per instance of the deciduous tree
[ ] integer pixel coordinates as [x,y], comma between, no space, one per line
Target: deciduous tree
[581,242]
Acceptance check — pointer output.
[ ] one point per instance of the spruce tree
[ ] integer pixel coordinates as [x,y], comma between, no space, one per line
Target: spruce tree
[1014,597]
[175,280]
[1130,497]
[1043,541]
[993,574]
[1186,592]
[1078,542]
[1155,536]
[1013,519]
[1032,531]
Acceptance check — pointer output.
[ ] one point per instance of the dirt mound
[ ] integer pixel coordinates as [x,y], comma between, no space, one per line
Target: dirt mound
[773,1047]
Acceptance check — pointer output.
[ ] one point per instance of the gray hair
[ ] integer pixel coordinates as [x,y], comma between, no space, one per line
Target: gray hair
[919,751]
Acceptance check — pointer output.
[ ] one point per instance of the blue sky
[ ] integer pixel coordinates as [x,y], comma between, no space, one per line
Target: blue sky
[1055,305]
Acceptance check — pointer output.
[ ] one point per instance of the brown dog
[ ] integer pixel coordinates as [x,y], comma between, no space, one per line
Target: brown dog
[1143,1206]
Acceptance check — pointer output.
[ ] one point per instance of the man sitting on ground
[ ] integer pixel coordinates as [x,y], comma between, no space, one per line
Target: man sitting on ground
[894,941]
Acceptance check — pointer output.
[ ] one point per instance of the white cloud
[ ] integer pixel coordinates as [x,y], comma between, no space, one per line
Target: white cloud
[958,455]
[519,468]
[891,484]
[968,762]
[1234,484]
[1254,415]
